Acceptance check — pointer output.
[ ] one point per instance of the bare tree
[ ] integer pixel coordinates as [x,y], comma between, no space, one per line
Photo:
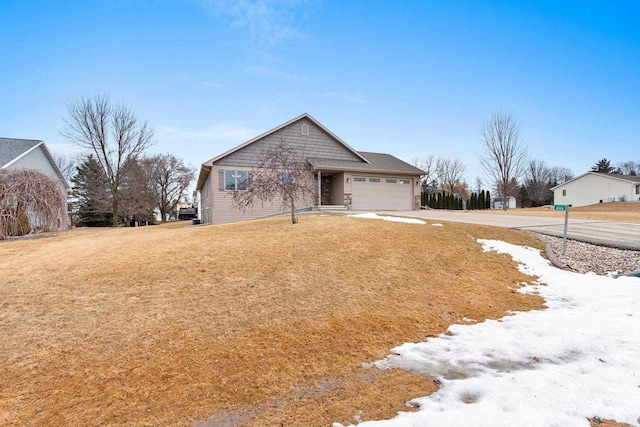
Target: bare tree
[112,133]
[559,175]
[137,196]
[29,200]
[431,166]
[67,165]
[629,168]
[169,178]
[282,175]
[504,156]
[537,181]
[451,173]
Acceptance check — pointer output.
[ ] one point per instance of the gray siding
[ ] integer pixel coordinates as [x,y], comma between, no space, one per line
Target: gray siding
[221,206]
[317,144]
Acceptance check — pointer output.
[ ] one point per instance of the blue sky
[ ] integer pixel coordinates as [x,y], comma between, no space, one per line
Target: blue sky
[409,78]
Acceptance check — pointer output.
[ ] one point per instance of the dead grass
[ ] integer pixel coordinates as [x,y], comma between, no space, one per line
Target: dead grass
[621,211]
[257,323]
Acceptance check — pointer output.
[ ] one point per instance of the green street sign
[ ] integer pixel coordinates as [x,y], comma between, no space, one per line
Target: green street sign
[560,207]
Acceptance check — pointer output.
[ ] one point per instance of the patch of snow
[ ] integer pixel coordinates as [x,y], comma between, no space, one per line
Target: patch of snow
[575,360]
[437,224]
[388,218]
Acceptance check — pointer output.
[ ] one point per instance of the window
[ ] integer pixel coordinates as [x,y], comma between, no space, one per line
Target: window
[359,179]
[235,180]
[305,129]
[391,181]
[405,181]
[287,179]
[638,189]
[564,192]
[374,179]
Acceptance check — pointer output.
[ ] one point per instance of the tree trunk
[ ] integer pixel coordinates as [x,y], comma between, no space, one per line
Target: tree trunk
[294,217]
[114,210]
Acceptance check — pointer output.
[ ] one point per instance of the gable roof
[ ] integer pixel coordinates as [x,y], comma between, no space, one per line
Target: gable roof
[371,162]
[13,149]
[632,179]
[274,130]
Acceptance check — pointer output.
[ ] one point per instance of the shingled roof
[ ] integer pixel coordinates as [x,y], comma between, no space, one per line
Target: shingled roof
[12,149]
[378,163]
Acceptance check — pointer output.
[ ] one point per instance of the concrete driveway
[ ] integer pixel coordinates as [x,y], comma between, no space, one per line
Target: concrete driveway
[621,235]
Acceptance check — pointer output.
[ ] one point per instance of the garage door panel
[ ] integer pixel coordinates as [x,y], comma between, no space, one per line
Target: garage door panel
[382,193]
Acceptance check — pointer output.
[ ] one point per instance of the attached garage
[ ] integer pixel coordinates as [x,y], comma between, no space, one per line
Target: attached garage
[382,193]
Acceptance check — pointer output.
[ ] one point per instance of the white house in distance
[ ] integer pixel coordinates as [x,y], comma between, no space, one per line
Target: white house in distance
[344,178]
[595,187]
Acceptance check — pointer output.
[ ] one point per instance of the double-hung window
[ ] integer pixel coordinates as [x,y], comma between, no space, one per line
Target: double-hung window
[235,180]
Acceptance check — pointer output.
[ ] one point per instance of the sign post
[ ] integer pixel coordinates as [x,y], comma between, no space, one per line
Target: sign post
[564,208]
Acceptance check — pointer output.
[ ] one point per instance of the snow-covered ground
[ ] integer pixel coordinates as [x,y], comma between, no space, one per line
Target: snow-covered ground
[577,359]
[388,218]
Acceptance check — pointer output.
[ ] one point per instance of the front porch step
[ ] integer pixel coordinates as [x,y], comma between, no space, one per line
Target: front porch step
[331,208]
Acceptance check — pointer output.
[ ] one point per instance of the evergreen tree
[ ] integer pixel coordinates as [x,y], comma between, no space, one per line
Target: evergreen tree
[91,189]
[603,166]
[487,200]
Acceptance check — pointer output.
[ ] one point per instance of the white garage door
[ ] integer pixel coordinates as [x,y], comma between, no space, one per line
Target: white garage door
[381,194]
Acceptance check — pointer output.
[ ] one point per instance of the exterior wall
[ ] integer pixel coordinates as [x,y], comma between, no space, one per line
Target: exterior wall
[221,204]
[511,203]
[592,188]
[39,161]
[206,206]
[317,144]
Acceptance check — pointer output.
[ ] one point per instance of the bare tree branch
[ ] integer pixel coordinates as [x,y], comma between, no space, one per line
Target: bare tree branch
[112,134]
[504,156]
[169,178]
[282,175]
[29,200]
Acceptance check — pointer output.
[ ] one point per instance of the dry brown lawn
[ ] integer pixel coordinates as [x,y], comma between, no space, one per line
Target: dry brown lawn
[257,323]
[620,211]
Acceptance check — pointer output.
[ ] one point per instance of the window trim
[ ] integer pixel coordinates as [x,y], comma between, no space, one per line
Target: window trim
[235,174]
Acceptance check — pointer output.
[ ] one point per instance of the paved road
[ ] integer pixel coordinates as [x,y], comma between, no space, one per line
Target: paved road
[622,235]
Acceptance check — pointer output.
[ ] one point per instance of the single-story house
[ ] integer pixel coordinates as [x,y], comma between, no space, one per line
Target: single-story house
[498,203]
[344,178]
[18,153]
[596,187]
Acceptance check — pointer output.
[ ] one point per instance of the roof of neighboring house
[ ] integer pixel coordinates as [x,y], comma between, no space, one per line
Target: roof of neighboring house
[13,149]
[377,163]
[628,178]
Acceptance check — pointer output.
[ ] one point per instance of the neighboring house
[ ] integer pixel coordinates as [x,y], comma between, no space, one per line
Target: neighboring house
[344,178]
[31,154]
[186,210]
[595,187]
[498,203]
